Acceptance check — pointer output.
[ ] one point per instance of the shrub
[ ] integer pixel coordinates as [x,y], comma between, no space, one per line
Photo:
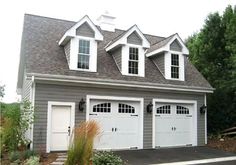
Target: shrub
[28,153]
[17,120]
[33,160]
[13,156]
[106,158]
[81,147]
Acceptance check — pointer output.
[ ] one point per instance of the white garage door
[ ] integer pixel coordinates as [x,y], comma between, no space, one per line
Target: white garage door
[173,125]
[119,121]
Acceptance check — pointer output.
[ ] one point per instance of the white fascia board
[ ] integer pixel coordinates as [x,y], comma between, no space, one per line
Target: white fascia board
[123,40]
[72,31]
[163,49]
[95,81]
[166,47]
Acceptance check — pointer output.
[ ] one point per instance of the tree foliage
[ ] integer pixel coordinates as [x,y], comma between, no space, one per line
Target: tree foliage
[2,91]
[213,52]
[18,118]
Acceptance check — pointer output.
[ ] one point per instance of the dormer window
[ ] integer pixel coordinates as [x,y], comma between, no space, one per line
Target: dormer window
[84,54]
[80,45]
[174,66]
[133,60]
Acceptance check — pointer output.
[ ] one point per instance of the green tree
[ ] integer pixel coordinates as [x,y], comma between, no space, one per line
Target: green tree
[213,52]
[2,91]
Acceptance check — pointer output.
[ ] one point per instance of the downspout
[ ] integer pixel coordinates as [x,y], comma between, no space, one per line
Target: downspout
[205,102]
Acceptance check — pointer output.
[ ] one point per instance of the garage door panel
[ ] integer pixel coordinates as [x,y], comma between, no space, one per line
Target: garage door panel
[119,123]
[173,124]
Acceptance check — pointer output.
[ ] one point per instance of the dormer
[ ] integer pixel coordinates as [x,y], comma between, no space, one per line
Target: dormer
[128,51]
[169,55]
[80,45]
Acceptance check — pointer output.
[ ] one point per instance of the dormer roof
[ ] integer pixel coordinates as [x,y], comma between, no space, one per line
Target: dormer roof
[165,44]
[122,38]
[72,31]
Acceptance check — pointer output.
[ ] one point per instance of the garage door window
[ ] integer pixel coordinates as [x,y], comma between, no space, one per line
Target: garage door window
[124,108]
[164,109]
[181,110]
[103,107]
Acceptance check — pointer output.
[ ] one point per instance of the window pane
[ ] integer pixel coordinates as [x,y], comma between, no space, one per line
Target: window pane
[84,46]
[175,59]
[83,56]
[133,53]
[133,60]
[133,67]
[83,61]
[174,72]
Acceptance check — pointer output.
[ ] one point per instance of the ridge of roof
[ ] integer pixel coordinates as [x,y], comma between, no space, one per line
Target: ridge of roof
[160,43]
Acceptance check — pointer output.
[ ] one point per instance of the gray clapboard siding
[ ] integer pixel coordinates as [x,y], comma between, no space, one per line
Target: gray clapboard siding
[176,46]
[26,89]
[50,92]
[134,38]
[67,52]
[117,57]
[159,61]
[85,30]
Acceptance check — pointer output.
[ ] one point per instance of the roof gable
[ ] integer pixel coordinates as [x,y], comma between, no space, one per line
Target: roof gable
[134,38]
[72,31]
[85,30]
[165,45]
[122,39]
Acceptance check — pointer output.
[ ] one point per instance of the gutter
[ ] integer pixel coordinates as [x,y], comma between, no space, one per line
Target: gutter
[117,83]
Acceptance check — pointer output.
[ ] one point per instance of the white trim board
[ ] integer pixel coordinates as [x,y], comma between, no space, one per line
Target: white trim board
[49,117]
[194,102]
[117,98]
[73,79]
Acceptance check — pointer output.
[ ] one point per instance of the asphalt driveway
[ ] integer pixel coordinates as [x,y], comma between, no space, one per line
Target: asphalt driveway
[170,155]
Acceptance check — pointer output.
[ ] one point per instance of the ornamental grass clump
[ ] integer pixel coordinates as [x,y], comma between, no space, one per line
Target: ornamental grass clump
[80,150]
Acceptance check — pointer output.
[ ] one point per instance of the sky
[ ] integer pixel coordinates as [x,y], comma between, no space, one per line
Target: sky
[157,17]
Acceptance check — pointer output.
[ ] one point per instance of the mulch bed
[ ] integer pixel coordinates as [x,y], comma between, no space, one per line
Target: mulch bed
[46,159]
[226,144]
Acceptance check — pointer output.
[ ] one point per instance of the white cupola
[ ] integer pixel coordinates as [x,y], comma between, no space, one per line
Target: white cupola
[107,22]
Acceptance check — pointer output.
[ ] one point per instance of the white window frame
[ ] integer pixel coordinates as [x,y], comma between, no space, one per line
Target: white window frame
[74,47]
[168,66]
[175,66]
[125,60]
[84,54]
[131,60]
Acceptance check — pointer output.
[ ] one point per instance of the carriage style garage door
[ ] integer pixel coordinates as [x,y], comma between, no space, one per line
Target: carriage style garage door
[120,122]
[174,124]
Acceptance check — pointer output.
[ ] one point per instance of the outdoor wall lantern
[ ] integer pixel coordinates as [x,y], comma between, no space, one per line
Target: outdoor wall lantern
[149,107]
[81,105]
[203,109]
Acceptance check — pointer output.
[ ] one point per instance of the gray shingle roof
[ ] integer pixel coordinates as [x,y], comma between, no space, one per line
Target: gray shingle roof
[43,55]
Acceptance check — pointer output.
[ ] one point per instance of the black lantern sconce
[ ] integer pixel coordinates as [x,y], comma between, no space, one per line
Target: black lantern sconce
[81,105]
[149,107]
[203,109]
